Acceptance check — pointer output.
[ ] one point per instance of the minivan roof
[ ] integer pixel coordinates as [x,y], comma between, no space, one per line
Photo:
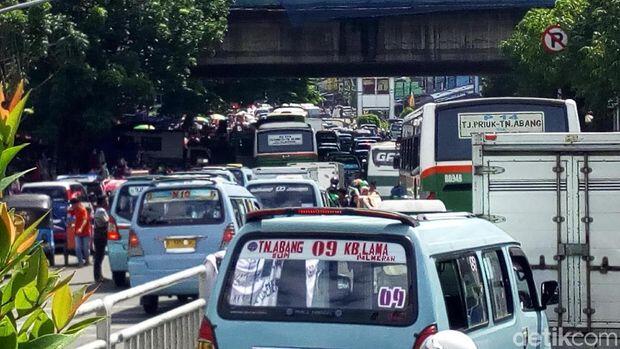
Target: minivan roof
[282,180]
[434,233]
[231,189]
[63,184]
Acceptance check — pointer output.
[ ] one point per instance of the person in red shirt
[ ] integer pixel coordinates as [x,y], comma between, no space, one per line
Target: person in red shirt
[82,231]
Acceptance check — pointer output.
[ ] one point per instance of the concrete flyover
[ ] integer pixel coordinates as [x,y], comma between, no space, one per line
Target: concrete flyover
[275,38]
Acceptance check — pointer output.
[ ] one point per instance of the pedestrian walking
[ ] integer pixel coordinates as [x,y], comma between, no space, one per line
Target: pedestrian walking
[82,231]
[100,237]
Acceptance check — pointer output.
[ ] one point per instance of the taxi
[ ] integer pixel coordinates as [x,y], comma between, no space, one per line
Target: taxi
[176,223]
[349,278]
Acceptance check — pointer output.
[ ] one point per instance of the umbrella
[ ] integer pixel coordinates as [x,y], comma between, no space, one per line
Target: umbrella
[144,127]
[201,119]
[218,117]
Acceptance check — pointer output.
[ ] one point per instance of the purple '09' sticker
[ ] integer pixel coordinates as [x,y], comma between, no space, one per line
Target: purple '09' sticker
[392,297]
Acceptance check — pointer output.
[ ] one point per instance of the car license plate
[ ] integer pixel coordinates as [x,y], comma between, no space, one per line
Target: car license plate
[180,245]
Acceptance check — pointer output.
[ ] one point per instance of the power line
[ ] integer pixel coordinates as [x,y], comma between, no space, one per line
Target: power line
[22,5]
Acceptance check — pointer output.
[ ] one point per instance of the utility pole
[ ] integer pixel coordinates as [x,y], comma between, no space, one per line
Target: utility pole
[22,5]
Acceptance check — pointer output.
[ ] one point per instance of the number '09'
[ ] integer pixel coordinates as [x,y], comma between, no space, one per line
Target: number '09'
[328,248]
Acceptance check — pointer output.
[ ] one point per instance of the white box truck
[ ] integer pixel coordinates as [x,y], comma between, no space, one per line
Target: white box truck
[559,195]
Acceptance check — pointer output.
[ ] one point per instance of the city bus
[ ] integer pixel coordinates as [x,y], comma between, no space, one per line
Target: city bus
[380,167]
[435,160]
[284,137]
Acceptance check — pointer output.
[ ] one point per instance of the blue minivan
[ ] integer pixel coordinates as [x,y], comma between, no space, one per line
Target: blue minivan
[121,211]
[349,278]
[176,224]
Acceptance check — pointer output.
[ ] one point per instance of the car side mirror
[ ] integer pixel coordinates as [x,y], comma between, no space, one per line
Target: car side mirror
[396,162]
[549,291]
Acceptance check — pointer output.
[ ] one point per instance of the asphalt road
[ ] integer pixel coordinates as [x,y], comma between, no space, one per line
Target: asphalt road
[125,314]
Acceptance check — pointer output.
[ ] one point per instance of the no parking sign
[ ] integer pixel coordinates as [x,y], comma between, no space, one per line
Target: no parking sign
[554,39]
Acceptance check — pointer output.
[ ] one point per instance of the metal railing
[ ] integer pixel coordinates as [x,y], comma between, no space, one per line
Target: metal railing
[177,328]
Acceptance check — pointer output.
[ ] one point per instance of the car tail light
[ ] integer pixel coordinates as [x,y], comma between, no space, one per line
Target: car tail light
[134,245]
[206,335]
[229,234]
[113,234]
[423,336]
[490,137]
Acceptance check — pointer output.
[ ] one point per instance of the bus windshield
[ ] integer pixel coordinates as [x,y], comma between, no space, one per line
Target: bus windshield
[454,126]
[285,141]
[320,280]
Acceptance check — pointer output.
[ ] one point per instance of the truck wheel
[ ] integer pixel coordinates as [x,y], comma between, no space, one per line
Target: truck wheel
[120,278]
[149,304]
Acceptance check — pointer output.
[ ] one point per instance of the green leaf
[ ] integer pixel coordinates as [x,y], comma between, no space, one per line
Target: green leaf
[6,181]
[7,156]
[22,241]
[15,117]
[62,283]
[82,325]
[42,277]
[50,341]
[28,271]
[26,299]
[43,325]
[5,244]
[8,335]
[61,307]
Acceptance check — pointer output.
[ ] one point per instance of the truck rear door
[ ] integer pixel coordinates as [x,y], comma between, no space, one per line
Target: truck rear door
[563,208]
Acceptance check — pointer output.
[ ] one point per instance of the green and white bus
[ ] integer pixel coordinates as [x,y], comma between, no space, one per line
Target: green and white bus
[435,146]
[283,138]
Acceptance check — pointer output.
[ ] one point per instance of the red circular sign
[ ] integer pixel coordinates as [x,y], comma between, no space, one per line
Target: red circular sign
[554,39]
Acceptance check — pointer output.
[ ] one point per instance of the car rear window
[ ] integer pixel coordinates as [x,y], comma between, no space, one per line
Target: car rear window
[127,197]
[320,280]
[181,207]
[284,195]
[56,193]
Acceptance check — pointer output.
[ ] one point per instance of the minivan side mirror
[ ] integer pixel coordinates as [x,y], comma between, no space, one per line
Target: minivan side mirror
[549,293]
[396,162]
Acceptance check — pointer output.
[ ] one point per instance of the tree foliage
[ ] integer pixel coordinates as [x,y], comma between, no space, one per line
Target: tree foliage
[94,60]
[26,283]
[272,90]
[588,69]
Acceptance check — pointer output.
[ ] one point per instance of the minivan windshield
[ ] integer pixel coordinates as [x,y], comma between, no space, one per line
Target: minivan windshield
[181,207]
[322,280]
[274,195]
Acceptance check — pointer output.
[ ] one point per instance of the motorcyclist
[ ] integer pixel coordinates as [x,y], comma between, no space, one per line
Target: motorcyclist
[332,191]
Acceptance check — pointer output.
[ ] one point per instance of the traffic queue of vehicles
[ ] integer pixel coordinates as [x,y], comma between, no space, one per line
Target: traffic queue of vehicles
[294,262]
[308,272]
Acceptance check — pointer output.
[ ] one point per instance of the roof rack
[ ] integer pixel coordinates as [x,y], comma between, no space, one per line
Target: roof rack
[178,178]
[443,215]
[327,211]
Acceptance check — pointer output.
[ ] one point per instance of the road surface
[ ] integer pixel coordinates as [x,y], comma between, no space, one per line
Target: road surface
[125,314]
